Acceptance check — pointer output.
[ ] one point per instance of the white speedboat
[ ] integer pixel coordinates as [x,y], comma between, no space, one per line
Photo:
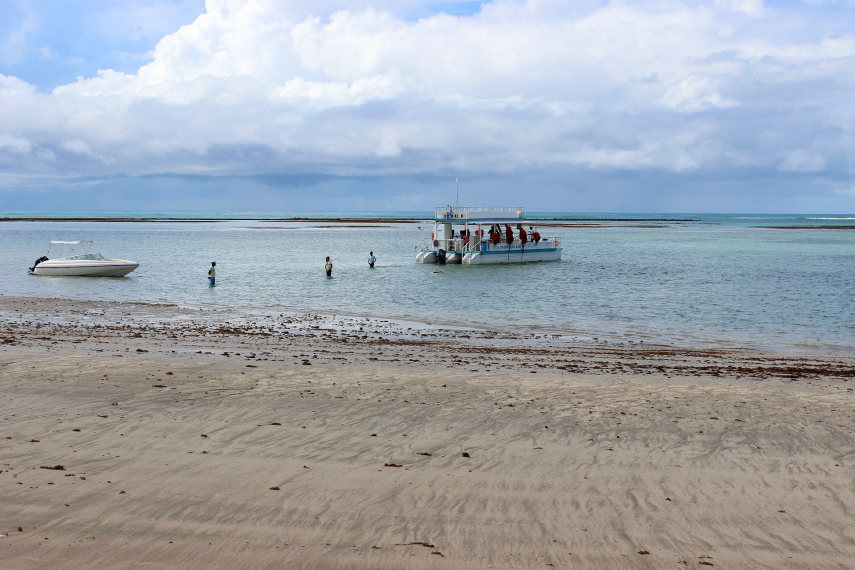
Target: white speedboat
[474,236]
[73,263]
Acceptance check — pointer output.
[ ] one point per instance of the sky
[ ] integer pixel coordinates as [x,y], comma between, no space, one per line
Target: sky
[380,105]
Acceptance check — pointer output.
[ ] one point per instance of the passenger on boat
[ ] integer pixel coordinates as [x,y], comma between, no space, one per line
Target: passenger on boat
[535,235]
[494,236]
[509,234]
[523,235]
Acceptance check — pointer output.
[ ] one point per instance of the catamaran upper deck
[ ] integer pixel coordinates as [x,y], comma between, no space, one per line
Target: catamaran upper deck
[469,214]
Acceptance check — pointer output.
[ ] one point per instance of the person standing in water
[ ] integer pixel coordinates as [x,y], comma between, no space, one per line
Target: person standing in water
[328,267]
[371,259]
[212,274]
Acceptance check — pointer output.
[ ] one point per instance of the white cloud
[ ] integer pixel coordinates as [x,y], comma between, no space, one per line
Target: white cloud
[323,94]
[337,87]
[695,93]
[83,149]
[15,145]
[802,161]
[751,7]
[15,40]
[134,19]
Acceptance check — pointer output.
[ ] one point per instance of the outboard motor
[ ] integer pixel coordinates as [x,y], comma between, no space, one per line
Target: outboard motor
[39,260]
[440,256]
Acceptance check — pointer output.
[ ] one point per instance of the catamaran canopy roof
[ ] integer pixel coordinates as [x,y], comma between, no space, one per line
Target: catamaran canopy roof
[71,242]
[469,214]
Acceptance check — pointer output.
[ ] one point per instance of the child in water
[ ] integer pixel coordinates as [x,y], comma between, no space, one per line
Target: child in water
[328,267]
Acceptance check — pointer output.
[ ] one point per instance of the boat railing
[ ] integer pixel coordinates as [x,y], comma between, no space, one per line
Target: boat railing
[424,245]
[474,243]
[552,241]
[477,213]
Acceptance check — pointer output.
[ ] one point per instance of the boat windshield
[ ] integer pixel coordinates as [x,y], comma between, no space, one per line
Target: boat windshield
[83,256]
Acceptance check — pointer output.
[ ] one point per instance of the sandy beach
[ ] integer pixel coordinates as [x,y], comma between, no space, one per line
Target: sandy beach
[153,436]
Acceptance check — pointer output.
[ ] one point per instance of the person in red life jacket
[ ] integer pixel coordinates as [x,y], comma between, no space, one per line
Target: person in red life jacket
[523,235]
[509,234]
[494,236]
[535,235]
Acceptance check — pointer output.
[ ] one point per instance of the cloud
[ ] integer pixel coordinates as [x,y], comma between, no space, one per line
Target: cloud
[333,88]
[15,145]
[696,93]
[845,188]
[802,161]
[15,37]
[752,7]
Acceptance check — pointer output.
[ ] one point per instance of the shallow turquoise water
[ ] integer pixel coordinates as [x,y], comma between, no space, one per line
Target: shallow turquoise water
[719,281]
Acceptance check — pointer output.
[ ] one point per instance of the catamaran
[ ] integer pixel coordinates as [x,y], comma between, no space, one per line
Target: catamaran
[73,263]
[473,236]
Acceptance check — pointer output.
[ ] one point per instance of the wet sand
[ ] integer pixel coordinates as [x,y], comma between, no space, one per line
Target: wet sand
[156,436]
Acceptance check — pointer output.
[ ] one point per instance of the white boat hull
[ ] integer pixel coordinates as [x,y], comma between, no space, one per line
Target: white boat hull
[85,268]
[496,254]
[515,255]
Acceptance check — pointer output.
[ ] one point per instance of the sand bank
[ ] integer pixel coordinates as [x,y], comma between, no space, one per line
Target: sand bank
[155,436]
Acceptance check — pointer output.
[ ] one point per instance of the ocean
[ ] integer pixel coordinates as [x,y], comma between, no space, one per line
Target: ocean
[690,280]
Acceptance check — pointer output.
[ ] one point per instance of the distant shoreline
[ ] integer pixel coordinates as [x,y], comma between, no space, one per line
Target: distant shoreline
[374,220]
[362,222]
[811,227]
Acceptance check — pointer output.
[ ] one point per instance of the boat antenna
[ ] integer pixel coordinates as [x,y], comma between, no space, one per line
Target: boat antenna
[457,181]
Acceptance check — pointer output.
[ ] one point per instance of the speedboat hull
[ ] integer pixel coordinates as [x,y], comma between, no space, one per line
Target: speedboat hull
[85,268]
